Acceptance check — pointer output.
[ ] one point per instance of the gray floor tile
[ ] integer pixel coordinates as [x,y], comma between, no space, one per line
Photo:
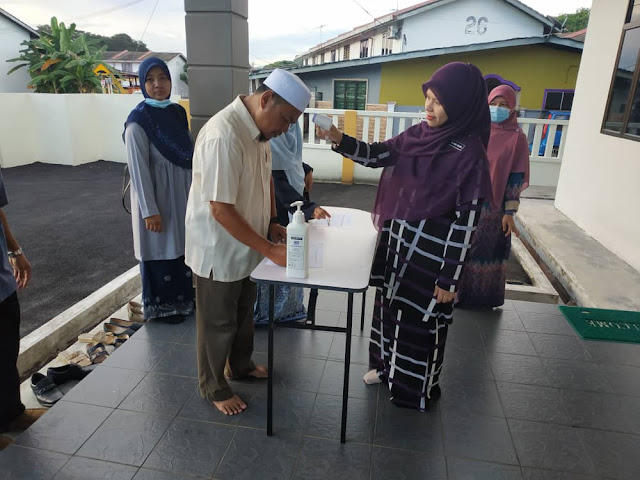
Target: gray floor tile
[408,429]
[359,349]
[327,318]
[357,330]
[614,353]
[493,320]
[126,437]
[252,455]
[615,455]
[576,375]
[334,301]
[180,360]
[548,446]
[544,323]
[197,408]
[146,474]
[533,307]
[140,355]
[332,381]
[322,459]
[508,305]
[305,343]
[538,474]
[464,335]
[297,373]
[464,469]
[22,463]
[508,341]
[160,394]
[478,437]
[625,380]
[190,337]
[105,386]
[395,464]
[154,331]
[190,447]
[518,369]
[470,397]
[65,427]
[79,468]
[603,411]
[465,363]
[291,411]
[559,346]
[327,417]
[533,402]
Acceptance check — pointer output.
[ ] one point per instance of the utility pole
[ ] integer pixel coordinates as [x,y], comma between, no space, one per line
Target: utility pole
[320,28]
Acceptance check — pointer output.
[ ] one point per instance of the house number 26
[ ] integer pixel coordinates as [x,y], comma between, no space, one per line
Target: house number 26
[474,26]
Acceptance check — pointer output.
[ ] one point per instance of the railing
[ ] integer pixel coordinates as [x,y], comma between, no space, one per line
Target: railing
[546,138]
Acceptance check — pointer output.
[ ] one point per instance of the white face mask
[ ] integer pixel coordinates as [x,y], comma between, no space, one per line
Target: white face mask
[499,114]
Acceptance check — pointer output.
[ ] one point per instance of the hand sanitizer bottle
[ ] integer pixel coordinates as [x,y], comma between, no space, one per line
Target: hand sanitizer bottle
[297,244]
[322,121]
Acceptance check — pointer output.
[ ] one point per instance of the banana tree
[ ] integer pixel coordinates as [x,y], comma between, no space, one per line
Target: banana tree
[61,61]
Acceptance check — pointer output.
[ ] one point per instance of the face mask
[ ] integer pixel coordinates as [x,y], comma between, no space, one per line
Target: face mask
[158,103]
[499,114]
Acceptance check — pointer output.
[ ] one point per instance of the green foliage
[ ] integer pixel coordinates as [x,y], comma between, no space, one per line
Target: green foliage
[575,21]
[61,61]
[114,43]
[184,76]
[282,64]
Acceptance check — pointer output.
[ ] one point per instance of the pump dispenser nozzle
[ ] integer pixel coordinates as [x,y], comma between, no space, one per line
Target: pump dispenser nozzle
[298,215]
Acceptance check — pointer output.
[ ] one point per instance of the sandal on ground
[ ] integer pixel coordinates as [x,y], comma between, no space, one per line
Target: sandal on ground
[126,323]
[77,357]
[134,307]
[120,339]
[97,352]
[117,330]
[99,337]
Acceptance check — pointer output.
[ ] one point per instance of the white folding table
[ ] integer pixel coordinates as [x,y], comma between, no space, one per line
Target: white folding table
[348,255]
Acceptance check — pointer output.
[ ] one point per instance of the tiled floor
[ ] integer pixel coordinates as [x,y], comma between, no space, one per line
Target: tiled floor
[523,398]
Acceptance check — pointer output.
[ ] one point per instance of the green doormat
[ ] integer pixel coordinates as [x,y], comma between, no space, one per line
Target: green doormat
[599,324]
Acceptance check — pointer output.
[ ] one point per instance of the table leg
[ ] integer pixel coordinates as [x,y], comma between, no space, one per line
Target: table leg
[364,301]
[311,309]
[270,361]
[347,364]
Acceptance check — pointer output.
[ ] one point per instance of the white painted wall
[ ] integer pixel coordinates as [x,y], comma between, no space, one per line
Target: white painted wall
[447,25]
[11,36]
[599,185]
[67,129]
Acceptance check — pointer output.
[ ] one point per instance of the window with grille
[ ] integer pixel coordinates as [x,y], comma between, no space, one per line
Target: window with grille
[387,44]
[346,51]
[558,100]
[364,48]
[350,94]
[622,115]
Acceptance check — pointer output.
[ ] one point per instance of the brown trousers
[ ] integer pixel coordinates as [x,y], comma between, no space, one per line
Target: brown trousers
[224,318]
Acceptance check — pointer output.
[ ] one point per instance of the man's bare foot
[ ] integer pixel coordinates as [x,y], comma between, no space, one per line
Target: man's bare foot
[233,406]
[260,372]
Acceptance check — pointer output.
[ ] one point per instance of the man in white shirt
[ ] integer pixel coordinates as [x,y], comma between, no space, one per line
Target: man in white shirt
[230,211]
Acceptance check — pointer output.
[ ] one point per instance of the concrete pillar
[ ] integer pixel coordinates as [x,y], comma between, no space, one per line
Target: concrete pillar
[218,55]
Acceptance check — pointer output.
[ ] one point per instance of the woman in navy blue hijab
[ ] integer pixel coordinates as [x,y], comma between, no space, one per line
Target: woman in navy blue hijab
[159,152]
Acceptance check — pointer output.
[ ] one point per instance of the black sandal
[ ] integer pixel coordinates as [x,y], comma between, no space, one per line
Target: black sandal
[97,352]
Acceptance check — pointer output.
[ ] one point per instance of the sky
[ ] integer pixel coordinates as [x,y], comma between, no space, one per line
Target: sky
[160,23]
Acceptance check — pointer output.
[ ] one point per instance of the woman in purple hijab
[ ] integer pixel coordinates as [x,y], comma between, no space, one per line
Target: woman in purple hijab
[434,183]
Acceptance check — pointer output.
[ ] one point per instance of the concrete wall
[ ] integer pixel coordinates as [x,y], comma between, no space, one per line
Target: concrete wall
[599,185]
[545,67]
[11,36]
[69,129]
[447,25]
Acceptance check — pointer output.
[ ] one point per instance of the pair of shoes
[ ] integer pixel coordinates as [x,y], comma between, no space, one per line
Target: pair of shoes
[45,390]
[126,323]
[134,307]
[107,338]
[118,330]
[77,357]
[98,352]
[60,375]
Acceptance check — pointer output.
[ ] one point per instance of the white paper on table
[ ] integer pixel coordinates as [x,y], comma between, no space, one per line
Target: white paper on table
[337,220]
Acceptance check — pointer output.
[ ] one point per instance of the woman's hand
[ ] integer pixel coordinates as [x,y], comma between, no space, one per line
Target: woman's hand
[153,223]
[443,296]
[508,225]
[320,212]
[21,270]
[334,135]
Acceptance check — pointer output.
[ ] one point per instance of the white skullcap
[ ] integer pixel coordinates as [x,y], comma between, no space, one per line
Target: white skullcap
[289,87]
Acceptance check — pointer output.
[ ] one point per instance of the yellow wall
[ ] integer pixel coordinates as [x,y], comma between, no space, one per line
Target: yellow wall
[534,68]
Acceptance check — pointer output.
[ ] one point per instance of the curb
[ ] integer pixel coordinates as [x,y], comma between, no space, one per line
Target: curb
[541,290]
[44,343]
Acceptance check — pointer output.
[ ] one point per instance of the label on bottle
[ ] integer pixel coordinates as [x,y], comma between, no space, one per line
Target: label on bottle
[295,256]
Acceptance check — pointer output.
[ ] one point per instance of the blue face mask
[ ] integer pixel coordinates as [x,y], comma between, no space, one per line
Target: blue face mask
[158,103]
[499,114]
